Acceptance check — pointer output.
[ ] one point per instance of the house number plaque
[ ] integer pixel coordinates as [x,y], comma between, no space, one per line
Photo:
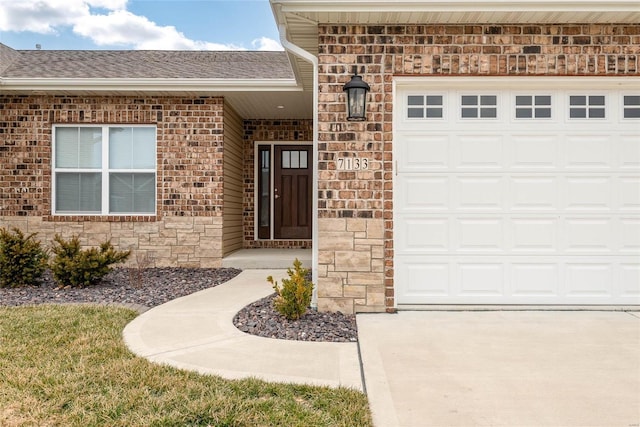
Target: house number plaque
[352,164]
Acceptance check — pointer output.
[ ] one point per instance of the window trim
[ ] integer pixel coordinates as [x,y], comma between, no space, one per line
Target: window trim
[624,106]
[479,106]
[533,107]
[588,107]
[104,171]
[425,106]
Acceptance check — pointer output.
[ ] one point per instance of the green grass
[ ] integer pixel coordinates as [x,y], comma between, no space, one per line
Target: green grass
[68,366]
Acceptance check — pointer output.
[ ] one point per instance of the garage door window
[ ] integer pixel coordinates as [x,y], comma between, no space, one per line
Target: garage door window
[479,106]
[425,107]
[632,107]
[533,107]
[587,107]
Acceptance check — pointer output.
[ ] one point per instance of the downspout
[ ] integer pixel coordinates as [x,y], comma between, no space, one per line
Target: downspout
[301,53]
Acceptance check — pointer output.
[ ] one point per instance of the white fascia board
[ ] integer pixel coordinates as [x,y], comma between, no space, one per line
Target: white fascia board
[292,6]
[168,85]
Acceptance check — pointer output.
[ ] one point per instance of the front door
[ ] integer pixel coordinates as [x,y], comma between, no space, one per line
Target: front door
[292,192]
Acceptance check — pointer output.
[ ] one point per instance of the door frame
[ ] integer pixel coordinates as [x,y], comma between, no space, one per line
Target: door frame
[256,178]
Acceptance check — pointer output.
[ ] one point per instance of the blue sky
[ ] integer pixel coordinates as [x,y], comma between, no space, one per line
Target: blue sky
[138,24]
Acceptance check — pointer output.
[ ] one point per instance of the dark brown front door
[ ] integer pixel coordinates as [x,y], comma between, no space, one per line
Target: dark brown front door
[292,192]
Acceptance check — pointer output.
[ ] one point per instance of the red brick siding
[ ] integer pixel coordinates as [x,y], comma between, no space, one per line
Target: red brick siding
[382,52]
[189,148]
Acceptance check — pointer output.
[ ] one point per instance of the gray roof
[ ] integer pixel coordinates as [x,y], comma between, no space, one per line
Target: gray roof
[143,64]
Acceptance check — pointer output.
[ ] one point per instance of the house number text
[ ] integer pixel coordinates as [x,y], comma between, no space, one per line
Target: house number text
[352,163]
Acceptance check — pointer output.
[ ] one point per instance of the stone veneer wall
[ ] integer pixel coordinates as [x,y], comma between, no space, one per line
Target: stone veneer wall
[356,207]
[187,230]
[256,131]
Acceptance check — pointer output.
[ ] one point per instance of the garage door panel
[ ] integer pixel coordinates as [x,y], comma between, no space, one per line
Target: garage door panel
[534,279]
[517,280]
[424,235]
[533,193]
[628,275]
[628,234]
[628,192]
[588,235]
[534,235]
[425,279]
[424,193]
[587,151]
[584,279]
[587,193]
[426,153]
[628,147]
[481,279]
[479,152]
[478,235]
[533,151]
[478,192]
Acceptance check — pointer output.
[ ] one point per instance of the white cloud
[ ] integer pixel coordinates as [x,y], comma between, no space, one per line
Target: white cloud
[40,16]
[118,27]
[265,43]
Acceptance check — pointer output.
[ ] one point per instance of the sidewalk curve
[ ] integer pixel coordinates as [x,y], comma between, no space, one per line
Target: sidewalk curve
[196,333]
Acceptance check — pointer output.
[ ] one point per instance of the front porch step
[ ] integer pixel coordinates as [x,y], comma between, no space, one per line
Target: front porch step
[247,259]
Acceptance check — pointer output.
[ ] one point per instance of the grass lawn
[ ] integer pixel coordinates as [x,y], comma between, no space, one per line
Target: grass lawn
[68,366]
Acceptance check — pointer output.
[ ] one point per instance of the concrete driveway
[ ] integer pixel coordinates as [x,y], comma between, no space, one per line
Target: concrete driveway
[502,368]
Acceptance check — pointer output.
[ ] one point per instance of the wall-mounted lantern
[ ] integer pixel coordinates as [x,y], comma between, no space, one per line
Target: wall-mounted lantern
[356,90]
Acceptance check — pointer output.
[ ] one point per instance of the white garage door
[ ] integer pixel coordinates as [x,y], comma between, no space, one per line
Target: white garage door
[518,193]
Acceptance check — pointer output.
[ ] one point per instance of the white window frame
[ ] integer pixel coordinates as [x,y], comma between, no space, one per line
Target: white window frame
[426,106]
[479,106]
[588,107]
[105,171]
[624,107]
[533,107]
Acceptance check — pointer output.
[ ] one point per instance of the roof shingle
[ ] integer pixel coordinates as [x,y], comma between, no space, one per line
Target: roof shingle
[141,64]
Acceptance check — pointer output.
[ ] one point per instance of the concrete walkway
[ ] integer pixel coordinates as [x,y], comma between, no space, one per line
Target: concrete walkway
[482,368]
[502,368]
[196,332]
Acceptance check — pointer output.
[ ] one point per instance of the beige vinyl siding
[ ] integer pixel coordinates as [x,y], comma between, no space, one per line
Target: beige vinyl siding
[232,161]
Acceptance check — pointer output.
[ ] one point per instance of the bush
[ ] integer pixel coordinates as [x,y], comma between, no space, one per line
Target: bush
[72,266]
[22,259]
[294,296]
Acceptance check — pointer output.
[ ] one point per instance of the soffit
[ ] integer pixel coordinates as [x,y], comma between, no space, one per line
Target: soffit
[302,17]
[372,12]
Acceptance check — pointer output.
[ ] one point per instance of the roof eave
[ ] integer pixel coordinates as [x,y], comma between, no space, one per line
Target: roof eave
[455,5]
[150,85]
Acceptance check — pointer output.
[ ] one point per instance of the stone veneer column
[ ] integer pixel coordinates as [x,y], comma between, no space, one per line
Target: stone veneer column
[351,265]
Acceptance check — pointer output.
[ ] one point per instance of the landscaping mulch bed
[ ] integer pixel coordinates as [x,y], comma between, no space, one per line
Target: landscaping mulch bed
[160,285]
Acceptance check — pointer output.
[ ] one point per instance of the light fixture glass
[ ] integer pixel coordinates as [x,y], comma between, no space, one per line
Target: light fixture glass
[356,90]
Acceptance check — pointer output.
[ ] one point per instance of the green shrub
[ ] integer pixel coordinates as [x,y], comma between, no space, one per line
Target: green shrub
[72,266]
[22,259]
[294,296]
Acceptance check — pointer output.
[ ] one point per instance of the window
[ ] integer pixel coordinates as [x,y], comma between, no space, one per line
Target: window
[632,106]
[294,159]
[104,170]
[587,107]
[425,107]
[483,106]
[533,107]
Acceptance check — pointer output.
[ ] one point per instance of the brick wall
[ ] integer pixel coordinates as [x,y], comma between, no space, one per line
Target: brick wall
[188,227]
[256,131]
[382,52]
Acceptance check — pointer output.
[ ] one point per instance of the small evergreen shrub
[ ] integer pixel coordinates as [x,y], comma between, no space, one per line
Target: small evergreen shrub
[72,266]
[294,296]
[22,259]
